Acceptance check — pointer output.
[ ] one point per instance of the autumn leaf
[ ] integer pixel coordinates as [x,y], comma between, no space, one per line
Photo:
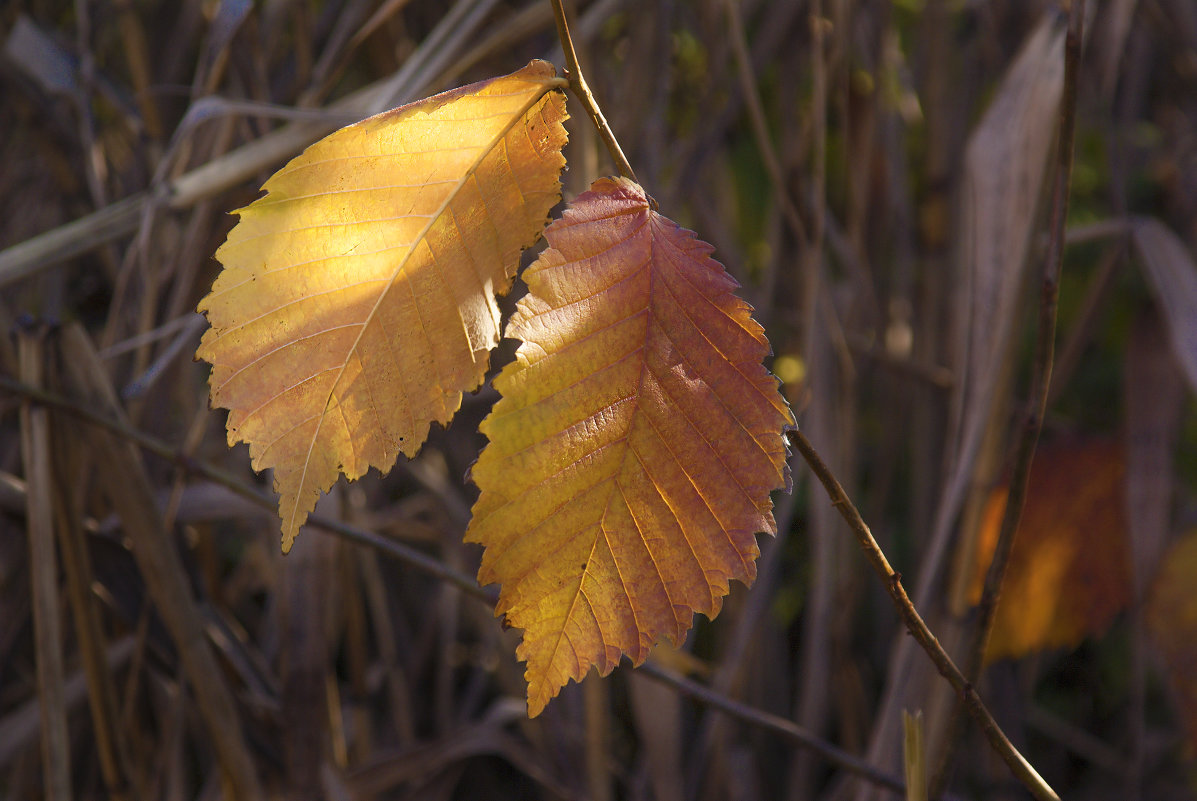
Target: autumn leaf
[357,300]
[635,445]
[1069,568]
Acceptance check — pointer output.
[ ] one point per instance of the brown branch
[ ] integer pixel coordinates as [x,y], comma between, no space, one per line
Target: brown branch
[196,467]
[1041,372]
[760,127]
[918,628]
[431,60]
[577,83]
[787,729]
[437,569]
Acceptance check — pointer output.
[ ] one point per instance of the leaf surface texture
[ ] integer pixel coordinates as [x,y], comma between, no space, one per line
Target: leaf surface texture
[635,445]
[357,301]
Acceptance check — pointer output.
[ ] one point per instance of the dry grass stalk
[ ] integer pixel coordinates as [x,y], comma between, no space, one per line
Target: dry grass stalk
[43,568]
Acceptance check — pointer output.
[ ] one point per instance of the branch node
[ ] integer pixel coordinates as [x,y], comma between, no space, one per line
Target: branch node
[577,84]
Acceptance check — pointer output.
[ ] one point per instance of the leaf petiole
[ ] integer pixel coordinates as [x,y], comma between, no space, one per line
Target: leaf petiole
[577,83]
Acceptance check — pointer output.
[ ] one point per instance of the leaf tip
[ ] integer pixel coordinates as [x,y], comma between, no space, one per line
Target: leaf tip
[537,705]
[541,690]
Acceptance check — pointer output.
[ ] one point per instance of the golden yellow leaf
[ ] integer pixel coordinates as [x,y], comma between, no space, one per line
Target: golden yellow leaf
[357,300]
[632,454]
[1068,574]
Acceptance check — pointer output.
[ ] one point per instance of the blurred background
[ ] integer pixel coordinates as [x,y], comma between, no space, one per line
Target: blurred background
[877,176]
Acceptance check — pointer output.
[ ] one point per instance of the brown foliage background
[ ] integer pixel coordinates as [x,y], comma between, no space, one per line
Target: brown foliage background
[178,655]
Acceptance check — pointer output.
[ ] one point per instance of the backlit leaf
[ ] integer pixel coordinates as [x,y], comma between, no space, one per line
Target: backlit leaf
[1069,570]
[632,454]
[357,300]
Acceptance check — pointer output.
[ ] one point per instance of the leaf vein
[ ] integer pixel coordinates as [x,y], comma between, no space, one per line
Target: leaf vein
[284,346]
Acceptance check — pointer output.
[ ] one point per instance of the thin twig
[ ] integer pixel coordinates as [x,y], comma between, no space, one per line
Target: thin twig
[43,577]
[1114,228]
[791,731]
[760,127]
[1089,311]
[122,217]
[827,385]
[577,82]
[394,548]
[1041,369]
[918,628]
[435,568]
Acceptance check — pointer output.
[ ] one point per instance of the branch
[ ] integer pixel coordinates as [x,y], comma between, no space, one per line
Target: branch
[1041,376]
[577,82]
[760,127]
[196,467]
[785,728]
[437,569]
[915,625]
[1045,348]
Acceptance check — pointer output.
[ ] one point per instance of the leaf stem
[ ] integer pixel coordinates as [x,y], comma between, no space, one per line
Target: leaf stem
[918,628]
[1041,370]
[577,82]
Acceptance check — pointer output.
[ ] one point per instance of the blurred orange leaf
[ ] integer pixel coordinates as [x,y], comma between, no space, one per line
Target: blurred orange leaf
[633,451]
[357,300]
[1069,573]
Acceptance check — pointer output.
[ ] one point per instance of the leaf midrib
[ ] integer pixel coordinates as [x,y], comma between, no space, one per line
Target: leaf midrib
[545,87]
